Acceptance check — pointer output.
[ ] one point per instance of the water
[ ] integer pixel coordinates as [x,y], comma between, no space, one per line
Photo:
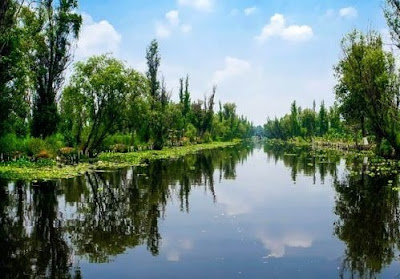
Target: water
[235,213]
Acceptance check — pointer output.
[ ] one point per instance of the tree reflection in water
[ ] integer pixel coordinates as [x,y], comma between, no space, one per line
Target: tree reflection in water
[368,223]
[45,226]
[367,208]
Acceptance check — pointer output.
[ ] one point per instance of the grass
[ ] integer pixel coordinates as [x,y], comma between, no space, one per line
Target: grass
[49,169]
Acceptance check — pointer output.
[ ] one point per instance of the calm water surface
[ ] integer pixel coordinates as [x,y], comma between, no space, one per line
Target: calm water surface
[246,212]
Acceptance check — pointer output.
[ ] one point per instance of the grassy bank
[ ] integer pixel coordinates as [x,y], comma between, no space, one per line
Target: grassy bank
[49,169]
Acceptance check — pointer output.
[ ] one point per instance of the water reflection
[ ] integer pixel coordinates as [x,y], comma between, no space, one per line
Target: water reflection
[304,161]
[46,227]
[368,212]
[214,214]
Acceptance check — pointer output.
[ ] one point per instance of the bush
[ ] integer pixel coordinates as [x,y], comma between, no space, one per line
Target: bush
[207,137]
[191,132]
[118,139]
[385,149]
[120,148]
[10,144]
[34,146]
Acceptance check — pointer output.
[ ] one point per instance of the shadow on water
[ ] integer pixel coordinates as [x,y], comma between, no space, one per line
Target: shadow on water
[46,226]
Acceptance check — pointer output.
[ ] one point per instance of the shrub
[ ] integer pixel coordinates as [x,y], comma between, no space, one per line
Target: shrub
[34,146]
[120,148]
[43,155]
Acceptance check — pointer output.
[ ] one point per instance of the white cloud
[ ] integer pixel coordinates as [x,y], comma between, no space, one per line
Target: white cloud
[277,28]
[201,5]
[186,28]
[165,28]
[97,38]
[162,31]
[249,11]
[173,17]
[277,245]
[348,12]
[233,67]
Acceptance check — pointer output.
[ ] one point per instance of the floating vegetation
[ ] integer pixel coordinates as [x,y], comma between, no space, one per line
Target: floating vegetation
[48,169]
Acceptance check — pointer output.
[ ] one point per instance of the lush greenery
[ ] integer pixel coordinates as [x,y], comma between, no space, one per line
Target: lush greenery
[306,123]
[105,105]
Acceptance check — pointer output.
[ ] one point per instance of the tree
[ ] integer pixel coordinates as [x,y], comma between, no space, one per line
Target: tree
[54,28]
[367,89]
[294,122]
[153,63]
[14,72]
[308,121]
[186,99]
[323,120]
[100,89]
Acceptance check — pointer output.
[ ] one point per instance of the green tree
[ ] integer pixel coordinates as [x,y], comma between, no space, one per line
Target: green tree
[323,121]
[14,72]
[308,120]
[294,121]
[153,63]
[54,28]
[99,92]
[367,88]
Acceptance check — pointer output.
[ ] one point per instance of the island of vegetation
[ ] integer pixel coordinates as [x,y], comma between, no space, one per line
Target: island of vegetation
[50,128]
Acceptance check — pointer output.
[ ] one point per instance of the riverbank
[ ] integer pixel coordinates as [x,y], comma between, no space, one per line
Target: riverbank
[49,169]
[323,144]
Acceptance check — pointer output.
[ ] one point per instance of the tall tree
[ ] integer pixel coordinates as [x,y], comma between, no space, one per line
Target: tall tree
[294,121]
[153,64]
[14,69]
[186,99]
[54,30]
[323,120]
[368,86]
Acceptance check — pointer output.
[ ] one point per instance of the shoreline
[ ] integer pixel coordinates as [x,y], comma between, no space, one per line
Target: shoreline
[26,170]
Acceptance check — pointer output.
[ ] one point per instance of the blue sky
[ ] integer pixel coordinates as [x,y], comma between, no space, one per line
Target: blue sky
[261,54]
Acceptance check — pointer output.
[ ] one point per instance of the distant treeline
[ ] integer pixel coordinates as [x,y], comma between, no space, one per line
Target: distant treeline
[105,105]
[306,123]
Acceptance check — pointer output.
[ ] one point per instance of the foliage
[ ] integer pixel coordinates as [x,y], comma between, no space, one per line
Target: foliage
[95,102]
[53,28]
[368,87]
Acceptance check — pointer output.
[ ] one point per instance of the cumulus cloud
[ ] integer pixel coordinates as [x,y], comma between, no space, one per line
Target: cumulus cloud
[173,17]
[233,67]
[249,11]
[171,23]
[97,38]
[348,12]
[201,5]
[277,28]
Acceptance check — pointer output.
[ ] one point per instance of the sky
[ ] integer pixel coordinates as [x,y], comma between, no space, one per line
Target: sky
[261,54]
